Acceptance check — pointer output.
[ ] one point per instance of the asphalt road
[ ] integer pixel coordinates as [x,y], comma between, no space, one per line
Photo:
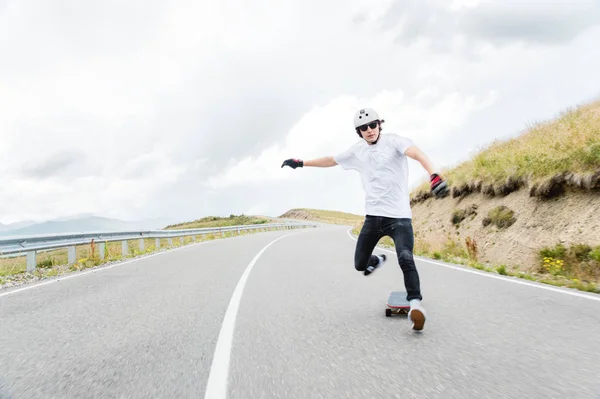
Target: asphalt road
[307,325]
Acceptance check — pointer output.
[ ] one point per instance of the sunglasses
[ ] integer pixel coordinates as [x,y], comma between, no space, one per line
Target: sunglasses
[372,125]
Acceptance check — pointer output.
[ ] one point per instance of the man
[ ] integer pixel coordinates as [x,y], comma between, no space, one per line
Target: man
[381,161]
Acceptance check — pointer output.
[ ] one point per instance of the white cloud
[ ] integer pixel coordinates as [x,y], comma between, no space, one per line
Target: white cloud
[458,4]
[182,109]
[327,130]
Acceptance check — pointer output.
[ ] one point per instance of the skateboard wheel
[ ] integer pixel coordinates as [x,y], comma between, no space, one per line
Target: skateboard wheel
[388,312]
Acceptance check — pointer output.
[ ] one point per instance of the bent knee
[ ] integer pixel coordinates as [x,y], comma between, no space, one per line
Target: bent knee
[405,257]
[360,263]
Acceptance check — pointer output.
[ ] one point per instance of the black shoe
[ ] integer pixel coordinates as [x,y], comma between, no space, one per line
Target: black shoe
[371,268]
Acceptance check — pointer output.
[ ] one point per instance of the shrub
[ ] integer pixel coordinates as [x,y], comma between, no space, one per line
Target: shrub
[46,263]
[595,254]
[559,252]
[501,216]
[461,214]
[581,251]
[578,260]
[471,248]
[554,266]
[453,248]
[458,216]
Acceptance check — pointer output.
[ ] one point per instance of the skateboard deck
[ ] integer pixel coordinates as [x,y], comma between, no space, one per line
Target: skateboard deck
[397,303]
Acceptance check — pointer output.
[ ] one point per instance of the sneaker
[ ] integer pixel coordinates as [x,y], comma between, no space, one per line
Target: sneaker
[371,268]
[417,315]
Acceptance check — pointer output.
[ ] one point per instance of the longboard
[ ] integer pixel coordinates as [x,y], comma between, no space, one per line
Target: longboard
[397,304]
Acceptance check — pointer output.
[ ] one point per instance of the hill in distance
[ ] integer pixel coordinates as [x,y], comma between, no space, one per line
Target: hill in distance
[323,216]
[218,221]
[78,224]
[16,225]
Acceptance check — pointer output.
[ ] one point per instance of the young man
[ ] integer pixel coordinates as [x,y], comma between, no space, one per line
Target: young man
[381,161]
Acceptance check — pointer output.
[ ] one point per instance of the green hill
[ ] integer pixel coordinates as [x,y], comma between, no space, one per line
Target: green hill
[547,158]
[527,207]
[323,216]
[217,221]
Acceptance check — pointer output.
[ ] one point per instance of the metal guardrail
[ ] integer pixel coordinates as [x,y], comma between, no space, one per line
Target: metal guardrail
[31,244]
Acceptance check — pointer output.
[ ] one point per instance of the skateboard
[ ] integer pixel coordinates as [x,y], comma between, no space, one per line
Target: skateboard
[397,304]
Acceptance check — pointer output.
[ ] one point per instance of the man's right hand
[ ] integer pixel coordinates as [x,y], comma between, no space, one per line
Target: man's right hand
[293,163]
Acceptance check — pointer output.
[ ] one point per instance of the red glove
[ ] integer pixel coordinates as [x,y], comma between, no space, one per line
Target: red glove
[438,186]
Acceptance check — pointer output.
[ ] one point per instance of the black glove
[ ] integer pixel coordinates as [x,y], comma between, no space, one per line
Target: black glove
[438,186]
[293,163]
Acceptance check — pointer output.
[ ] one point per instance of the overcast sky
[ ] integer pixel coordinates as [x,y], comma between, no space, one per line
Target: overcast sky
[190,107]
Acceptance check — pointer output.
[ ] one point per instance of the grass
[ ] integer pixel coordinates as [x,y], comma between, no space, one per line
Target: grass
[217,221]
[547,158]
[578,262]
[569,143]
[584,260]
[86,258]
[458,215]
[324,216]
[500,216]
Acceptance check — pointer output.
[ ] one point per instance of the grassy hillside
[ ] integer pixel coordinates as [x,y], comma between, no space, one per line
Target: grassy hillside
[545,158]
[216,221]
[522,234]
[323,216]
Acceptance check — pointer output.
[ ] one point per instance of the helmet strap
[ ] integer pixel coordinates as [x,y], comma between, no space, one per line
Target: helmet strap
[377,139]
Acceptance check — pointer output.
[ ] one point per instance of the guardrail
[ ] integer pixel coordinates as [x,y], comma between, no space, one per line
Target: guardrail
[31,244]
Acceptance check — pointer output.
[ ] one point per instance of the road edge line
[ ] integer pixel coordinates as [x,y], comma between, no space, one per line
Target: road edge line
[489,275]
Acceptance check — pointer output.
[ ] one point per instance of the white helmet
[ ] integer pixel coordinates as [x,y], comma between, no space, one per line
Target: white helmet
[364,116]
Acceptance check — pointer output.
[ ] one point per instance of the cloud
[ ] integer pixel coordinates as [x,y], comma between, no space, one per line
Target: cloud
[184,109]
[535,22]
[59,163]
[327,130]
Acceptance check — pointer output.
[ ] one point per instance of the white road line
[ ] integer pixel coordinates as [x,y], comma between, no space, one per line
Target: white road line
[216,387]
[498,277]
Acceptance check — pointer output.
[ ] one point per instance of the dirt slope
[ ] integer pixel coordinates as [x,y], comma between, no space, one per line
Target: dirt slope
[570,219]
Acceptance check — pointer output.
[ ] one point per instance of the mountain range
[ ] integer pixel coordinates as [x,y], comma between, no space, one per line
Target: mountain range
[78,224]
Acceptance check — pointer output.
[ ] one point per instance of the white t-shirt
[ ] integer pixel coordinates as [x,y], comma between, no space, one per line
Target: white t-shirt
[383,169]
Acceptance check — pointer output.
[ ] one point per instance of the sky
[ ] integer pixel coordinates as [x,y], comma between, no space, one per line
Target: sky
[190,107]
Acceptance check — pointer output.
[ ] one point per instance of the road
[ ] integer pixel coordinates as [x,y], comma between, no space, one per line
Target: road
[305,325]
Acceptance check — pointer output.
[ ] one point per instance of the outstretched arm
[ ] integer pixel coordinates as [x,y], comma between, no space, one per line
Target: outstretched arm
[323,162]
[418,155]
[438,185]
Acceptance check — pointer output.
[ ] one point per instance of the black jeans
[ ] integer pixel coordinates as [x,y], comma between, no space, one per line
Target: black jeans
[401,232]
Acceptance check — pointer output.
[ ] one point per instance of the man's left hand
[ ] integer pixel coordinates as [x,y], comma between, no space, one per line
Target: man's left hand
[438,186]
